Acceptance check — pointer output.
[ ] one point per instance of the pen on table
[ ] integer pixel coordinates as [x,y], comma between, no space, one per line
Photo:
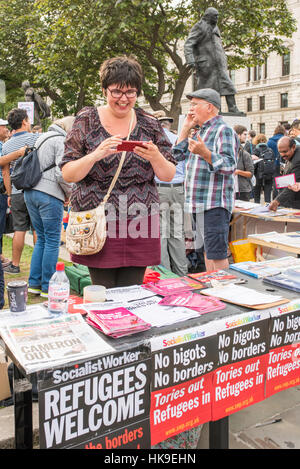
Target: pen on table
[269,422]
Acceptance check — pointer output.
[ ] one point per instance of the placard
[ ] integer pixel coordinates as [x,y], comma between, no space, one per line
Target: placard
[239,380]
[284,181]
[283,367]
[102,403]
[28,106]
[181,384]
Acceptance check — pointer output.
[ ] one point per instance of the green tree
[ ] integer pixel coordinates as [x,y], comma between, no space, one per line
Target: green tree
[60,45]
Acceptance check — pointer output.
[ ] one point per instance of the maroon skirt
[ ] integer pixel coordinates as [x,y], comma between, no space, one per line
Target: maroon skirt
[129,243]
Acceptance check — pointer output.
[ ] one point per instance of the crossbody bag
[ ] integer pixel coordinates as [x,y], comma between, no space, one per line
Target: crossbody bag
[86,231]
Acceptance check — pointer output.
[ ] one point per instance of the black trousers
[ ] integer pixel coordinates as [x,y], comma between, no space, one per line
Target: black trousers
[119,277]
[246,196]
[266,186]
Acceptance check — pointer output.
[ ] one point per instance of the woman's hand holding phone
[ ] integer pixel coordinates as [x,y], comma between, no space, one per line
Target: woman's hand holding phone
[107,147]
[149,151]
[129,145]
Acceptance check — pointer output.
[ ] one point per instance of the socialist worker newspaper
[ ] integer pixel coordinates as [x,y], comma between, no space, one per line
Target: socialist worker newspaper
[51,342]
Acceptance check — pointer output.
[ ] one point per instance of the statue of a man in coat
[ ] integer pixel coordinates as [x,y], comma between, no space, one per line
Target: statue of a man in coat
[203,50]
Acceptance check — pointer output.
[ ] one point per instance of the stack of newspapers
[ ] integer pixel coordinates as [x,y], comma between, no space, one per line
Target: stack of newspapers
[38,340]
[116,322]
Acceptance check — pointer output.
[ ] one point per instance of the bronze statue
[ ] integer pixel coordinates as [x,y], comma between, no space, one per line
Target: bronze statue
[203,50]
[41,108]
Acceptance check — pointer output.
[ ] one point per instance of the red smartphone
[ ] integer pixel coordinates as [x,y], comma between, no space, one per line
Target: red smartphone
[128,145]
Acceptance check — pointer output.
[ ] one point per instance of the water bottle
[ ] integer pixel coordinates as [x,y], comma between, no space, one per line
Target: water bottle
[58,291]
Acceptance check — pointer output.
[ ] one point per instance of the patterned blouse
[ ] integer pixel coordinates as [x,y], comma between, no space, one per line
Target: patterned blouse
[136,180]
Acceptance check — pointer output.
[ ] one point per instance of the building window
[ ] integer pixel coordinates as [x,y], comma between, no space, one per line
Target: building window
[249,104]
[262,103]
[284,102]
[257,72]
[262,128]
[286,58]
[249,74]
[232,75]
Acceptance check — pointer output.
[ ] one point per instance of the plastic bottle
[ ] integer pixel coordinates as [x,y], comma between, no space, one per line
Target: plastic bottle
[58,291]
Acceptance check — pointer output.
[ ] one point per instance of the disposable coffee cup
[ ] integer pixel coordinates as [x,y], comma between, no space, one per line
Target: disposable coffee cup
[17,295]
[94,293]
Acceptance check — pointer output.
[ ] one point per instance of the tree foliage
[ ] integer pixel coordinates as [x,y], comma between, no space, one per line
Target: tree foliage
[59,46]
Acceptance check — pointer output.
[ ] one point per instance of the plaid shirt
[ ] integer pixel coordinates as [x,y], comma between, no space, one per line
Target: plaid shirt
[207,185]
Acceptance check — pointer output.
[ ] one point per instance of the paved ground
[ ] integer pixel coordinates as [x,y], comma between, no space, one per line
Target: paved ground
[284,434]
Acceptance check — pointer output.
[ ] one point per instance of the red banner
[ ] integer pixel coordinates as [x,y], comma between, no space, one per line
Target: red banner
[180,408]
[181,384]
[283,369]
[237,386]
[243,350]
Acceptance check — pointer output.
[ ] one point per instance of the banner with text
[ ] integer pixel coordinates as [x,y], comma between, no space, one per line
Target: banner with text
[181,383]
[97,404]
[283,368]
[242,347]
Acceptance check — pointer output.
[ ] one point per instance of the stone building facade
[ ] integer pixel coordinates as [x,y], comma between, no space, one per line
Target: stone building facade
[267,94]
[270,94]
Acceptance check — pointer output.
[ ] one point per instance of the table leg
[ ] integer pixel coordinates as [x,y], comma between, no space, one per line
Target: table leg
[23,411]
[219,434]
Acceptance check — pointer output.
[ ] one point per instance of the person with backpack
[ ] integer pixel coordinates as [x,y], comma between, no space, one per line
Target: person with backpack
[19,122]
[45,204]
[264,169]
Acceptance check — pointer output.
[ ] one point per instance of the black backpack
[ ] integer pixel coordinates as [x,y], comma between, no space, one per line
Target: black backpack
[266,168]
[27,171]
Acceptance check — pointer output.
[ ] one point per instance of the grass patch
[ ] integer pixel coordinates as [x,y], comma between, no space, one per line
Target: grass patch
[24,269]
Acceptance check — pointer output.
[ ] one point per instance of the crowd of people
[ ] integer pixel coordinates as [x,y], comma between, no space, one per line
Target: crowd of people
[171,186]
[168,185]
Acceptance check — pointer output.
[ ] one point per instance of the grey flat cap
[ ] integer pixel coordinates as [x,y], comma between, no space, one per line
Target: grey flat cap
[207,94]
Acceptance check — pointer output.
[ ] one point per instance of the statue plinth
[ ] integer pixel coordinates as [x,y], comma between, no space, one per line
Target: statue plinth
[236,119]
[236,114]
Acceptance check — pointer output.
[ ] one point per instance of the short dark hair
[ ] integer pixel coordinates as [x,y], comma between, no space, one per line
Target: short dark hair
[252,133]
[296,124]
[292,142]
[239,129]
[15,118]
[123,71]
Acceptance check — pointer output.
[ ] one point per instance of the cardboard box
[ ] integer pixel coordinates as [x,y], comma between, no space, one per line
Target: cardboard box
[4,382]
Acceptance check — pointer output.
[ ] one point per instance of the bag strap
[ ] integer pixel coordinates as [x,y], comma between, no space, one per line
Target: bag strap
[49,136]
[37,148]
[113,182]
[49,167]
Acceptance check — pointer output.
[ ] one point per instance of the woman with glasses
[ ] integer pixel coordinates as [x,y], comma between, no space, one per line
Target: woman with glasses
[91,160]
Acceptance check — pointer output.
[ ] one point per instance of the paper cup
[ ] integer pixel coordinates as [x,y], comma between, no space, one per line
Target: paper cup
[17,295]
[94,293]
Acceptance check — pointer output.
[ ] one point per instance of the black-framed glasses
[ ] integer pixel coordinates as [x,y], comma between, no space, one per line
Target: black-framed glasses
[116,93]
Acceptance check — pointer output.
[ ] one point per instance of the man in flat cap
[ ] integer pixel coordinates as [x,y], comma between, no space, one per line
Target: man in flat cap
[211,159]
[203,50]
